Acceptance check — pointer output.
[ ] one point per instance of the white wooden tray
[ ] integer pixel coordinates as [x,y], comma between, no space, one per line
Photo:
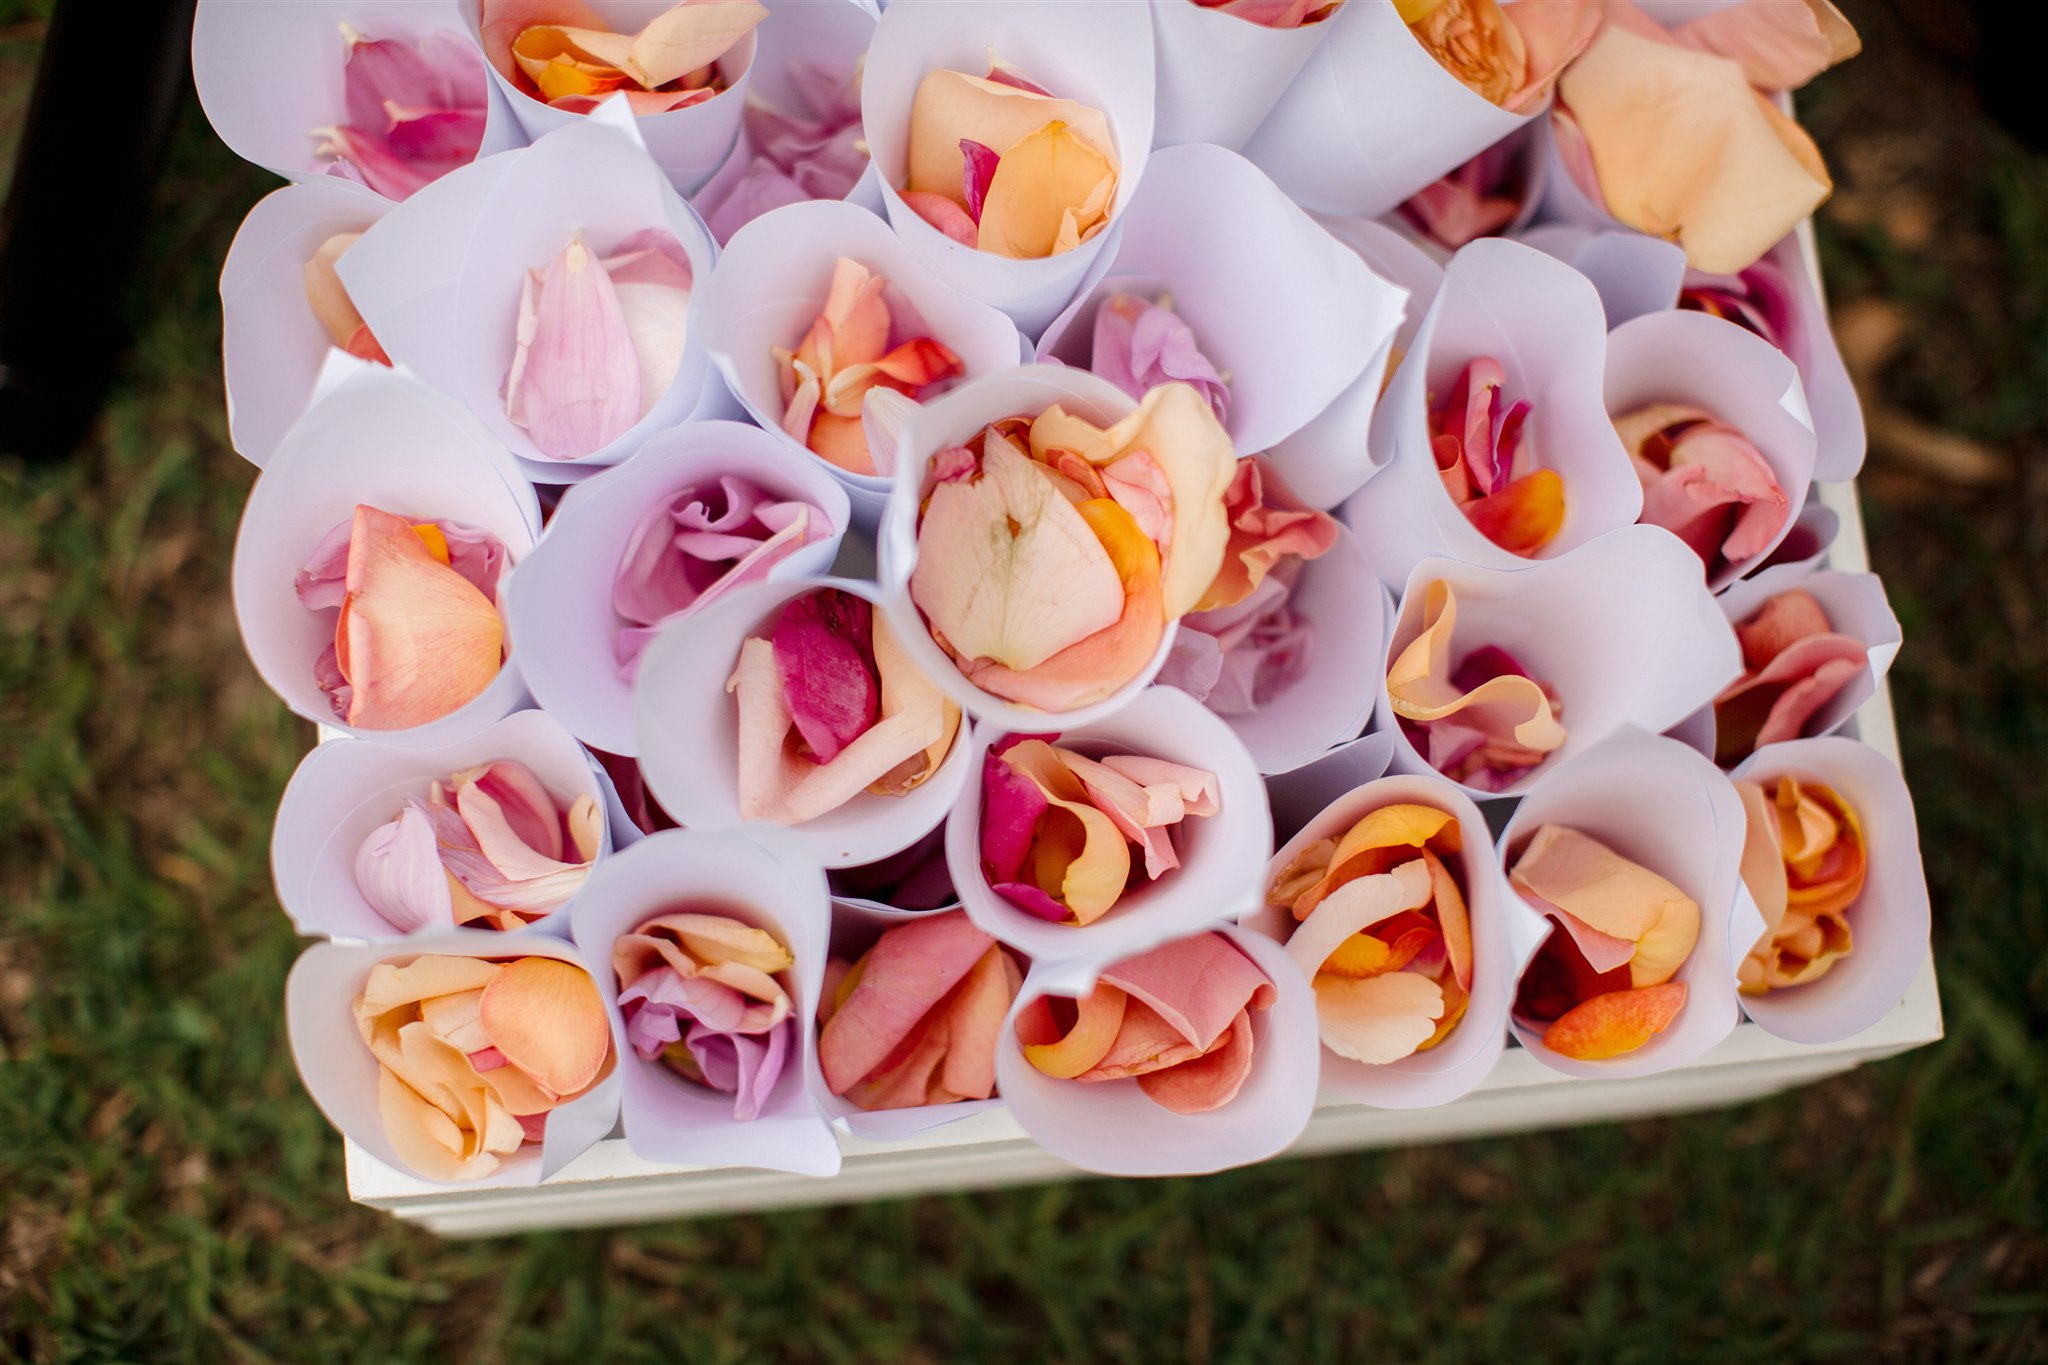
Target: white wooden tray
[608,1184]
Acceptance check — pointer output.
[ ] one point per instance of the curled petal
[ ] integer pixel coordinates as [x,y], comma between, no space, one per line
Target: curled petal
[1263,533]
[1506,707]
[1139,344]
[1377,1019]
[945,215]
[415,640]
[1098,1017]
[1615,1023]
[1050,193]
[1076,857]
[398,869]
[1597,888]
[909,971]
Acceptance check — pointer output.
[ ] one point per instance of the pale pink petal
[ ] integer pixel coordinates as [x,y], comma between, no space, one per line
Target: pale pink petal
[575,382]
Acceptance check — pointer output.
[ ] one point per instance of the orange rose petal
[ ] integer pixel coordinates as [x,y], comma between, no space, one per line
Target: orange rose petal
[416,640]
[1523,517]
[1615,1023]
[548,1019]
[1209,1081]
[1359,955]
[1098,1017]
[1452,916]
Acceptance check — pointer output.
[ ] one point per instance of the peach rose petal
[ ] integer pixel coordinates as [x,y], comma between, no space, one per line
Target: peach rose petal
[1377,1019]
[1615,1023]
[1050,193]
[1779,46]
[1587,881]
[1197,985]
[415,640]
[1262,533]
[1098,1018]
[1209,1081]
[1505,707]
[548,1019]
[1354,907]
[910,969]
[951,107]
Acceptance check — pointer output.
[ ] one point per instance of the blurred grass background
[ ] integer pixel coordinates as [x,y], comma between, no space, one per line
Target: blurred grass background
[167,1192]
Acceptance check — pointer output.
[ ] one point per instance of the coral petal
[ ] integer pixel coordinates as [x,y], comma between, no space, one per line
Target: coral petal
[1615,1023]
[548,1019]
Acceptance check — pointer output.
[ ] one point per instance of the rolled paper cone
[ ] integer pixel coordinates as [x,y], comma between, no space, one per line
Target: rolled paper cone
[951,420]
[1889,920]
[687,726]
[272,346]
[1696,731]
[855,927]
[402,275]
[1221,856]
[383,439]
[687,144]
[1219,75]
[933,847]
[1543,321]
[1633,274]
[1098,55]
[827,32]
[268,75]
[561,606]
[771,284]
[1325,475]
[1466,1055]
[1112,1128]
[1331,702]
[761,877]
[1275,302]
[590,180]
[1299,795]
[1659,804]
[1345,137]
[619,822]
[1856,606]
[1580,623]
[342,1076]
[345,790]
[1704,361]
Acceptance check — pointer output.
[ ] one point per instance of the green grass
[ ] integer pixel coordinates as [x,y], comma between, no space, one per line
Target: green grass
[168,1192]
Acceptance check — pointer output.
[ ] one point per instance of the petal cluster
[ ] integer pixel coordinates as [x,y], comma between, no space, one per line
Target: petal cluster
[416,110]
[1482,721]
[698,992]
[563,53]
[1794,663]
[1804,862]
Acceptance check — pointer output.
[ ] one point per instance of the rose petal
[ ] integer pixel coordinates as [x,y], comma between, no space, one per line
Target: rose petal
[1615,1023]
[548,1019]
[1377,1019]
[1198,985]
[1139,345]
[1098,1018]
[575,381]
[398,870]
[1590,882]
[1050,192]
[416,640]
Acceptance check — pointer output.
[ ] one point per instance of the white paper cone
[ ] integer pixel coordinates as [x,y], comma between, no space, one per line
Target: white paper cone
[1372,118]
[341,1075]
[1333,700]
[1657,803]
[1300,795]
[1219,75]
[842,895]
[1098,55]
[1222,856]
[1623,630]
[952,420]
[272,347]
[1542,320]
[402,275]
[1110,1127]
[344,790]
[830,32]
[384,439]
[687,144]
[1279,306]
[763,878]
[1742,379]
[1634,274]
[687,726]
[1890,920]
[589,180]
[771,284]
[855,927]
[269,74]
[560,604]
[1464,1058]
[1856,606]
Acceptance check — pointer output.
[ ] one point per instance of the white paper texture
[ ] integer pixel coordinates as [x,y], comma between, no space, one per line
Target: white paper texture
[1372,118]
[1219,75]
